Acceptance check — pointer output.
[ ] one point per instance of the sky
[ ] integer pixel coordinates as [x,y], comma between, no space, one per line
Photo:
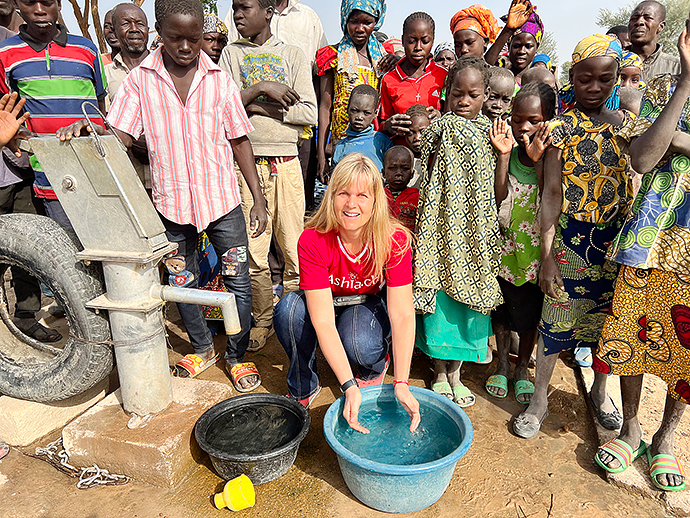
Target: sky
[569,24]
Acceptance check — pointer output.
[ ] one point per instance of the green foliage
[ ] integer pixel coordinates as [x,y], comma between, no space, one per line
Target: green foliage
[564,78]
[549,46]
[676,14]
[210,6]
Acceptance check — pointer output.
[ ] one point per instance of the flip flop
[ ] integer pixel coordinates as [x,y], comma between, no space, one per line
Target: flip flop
[523,387]
[622,452]
[665,464]
[527,429]
[611,420]
[193,365]
[4,449]
[443,388]
[497,381]
[240,371]
[461,394]
[583,356]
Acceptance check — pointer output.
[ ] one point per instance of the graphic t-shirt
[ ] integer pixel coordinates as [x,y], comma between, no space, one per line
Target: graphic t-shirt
[325,263]
[403,205]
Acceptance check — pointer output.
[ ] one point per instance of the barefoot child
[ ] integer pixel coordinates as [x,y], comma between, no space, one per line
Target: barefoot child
[361,137]
[419,121]
[458,248]
[501,90]
[402,199]
[647,329]
[517,198]
[587,193]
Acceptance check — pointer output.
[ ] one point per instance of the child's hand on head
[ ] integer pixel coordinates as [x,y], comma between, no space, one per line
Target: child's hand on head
[519,13]
[501,136]
[433,113]
[398,124]
[541,140]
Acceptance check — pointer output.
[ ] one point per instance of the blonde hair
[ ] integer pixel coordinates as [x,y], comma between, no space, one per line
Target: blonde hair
[378,231]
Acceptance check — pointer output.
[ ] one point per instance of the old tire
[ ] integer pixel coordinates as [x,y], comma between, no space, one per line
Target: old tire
[33,370]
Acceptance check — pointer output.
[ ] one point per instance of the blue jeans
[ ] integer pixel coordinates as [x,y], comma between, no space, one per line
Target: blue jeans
[226,234]
[363,329]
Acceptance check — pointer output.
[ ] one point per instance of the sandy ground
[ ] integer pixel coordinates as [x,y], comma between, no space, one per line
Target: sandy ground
[501,475]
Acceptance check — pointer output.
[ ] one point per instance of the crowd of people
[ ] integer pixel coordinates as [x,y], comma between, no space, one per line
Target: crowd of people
[464,193]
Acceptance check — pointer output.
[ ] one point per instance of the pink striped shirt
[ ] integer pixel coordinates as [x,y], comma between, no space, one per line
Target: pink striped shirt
[192,173]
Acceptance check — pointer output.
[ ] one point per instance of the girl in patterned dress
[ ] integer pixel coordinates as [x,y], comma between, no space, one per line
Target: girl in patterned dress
[358,59]
[587,193]
[517,196]
[648,328]
[457,258]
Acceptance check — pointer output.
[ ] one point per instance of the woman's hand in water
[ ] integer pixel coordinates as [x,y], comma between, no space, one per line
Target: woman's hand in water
[353,399]
[541,140]
[519,13]
[501,136]
[409,403]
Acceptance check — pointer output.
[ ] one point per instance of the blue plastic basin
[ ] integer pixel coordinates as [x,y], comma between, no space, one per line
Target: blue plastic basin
[397,488]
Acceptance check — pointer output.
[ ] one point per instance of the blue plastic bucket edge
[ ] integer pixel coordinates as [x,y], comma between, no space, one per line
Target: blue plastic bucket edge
[455,412]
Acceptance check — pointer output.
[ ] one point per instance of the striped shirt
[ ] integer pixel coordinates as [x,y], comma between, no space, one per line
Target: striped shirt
[192,174]
[55,78]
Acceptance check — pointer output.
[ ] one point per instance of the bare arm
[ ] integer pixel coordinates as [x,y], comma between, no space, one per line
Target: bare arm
[402,318]
[244,155]
[649,148]
[322,316]
[271,110]
[680,143]
[491,56]
[552,202]
[501,178]
[326,90]
[518,14]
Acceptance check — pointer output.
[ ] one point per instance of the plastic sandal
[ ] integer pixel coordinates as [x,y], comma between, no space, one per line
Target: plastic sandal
[583,356]
[497,381]
[443,388]
[665,464]
[622,452]
[192,365]
[463,396]
[240,371]
[522,387]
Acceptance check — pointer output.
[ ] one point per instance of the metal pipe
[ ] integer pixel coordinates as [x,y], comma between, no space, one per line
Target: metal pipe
[223,300]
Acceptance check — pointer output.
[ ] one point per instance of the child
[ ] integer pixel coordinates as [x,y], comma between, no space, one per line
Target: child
[631,71]
[539,75]
[646,331]
[419,121]
[402,200]
[417,78]
[277,92]
[458,248]
[587,192]
[501,90]
[360,136]
[215,37]
[199,194]
[517,198]
[523,46]
[354,61]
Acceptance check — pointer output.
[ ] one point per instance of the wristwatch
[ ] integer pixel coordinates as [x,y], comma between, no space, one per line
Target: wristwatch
[349,383]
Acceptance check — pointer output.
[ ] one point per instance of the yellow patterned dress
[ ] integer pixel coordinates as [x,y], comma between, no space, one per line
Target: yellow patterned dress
[648,330]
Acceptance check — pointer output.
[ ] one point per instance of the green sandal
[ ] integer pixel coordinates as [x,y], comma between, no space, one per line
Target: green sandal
[443,388]
[665,464]
[523,387]
[497,381]
[622,452]
[463,396]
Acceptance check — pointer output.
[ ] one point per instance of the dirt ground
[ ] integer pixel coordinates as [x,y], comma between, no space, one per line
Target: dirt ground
[552,475]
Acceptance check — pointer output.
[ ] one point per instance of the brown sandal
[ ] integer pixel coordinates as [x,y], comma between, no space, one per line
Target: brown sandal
[39,332]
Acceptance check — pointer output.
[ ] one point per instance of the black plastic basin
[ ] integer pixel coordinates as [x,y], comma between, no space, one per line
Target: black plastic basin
[254,434]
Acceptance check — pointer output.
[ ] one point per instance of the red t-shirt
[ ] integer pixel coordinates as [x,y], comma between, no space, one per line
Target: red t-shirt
[404,206]
[400,91]
[324,263]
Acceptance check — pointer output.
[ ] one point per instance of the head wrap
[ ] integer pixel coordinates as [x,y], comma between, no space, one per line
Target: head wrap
[542,58]
[630,59]
[446,45]
[598,45]
[476,18]
[393,45]
[214,24]
[347,52]
[533,26]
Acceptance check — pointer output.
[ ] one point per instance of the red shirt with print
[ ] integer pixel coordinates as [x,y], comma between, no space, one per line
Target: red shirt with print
[324,263]
[403,206]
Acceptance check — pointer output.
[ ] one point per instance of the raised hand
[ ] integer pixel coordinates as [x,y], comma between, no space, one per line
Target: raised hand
[519,13]
[501,136]
[684,53]
[10,120]
[540,141]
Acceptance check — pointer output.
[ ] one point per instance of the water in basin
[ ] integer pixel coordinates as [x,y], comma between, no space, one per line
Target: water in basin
[390,440]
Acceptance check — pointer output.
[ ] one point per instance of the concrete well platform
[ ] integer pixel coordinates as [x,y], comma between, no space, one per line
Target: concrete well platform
[161,453]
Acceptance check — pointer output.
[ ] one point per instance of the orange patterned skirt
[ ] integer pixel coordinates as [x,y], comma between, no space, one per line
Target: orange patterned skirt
[648,329]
